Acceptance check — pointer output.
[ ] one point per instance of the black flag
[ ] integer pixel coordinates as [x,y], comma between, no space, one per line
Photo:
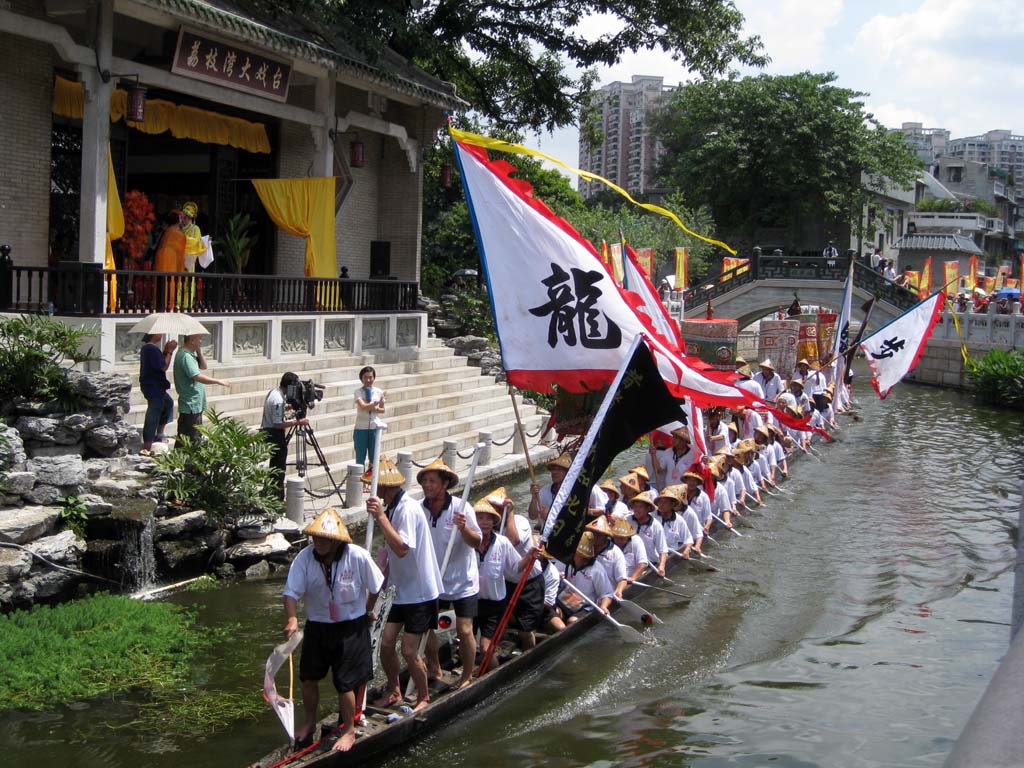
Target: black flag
[639,404]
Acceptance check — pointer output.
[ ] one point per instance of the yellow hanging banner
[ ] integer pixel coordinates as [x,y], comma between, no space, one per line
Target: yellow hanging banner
[499,145]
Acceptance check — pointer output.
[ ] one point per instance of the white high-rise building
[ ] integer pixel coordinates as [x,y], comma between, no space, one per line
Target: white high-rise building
[629,153]
[1000,149]
[927,143]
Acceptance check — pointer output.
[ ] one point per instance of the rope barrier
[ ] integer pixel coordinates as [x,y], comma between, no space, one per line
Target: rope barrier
[468,455]
[534,434]
[506,441]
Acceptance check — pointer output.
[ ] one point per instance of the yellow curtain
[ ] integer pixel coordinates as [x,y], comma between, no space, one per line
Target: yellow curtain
[161,116]
[304,207]
[115,227]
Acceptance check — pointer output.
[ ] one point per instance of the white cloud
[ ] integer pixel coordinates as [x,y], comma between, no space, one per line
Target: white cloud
[793,31]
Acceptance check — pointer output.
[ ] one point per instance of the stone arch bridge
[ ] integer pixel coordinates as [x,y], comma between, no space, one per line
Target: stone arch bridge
[758,289]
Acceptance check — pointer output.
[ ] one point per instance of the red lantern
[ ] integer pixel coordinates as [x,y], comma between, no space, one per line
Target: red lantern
[356,154]
[137,103]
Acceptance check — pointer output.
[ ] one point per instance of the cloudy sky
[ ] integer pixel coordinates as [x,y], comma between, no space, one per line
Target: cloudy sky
[953,64]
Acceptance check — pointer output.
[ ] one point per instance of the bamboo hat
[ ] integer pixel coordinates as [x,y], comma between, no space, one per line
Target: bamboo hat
[815,366]
[389,474]
[622,527]
[630,481]
[796,381]
[586,545]
[691,475]
[744,370]
[328,525]
[437,465]
[610,486]
[762,431]
[669,493]
[599,525]
[775,429]
[643,498]
[803,361]
[498,497]
[563,462]
[682,432]
[484,507]
[724,451]
[734,427]
[793,411]
[740,360]
[640,470]
[767,363]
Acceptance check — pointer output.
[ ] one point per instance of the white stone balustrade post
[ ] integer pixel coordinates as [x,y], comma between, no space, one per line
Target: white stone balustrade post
[353,485]
[405,466]
[485,453]
[450,454]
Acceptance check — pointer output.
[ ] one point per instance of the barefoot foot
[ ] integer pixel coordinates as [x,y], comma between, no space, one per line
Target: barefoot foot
[345,741]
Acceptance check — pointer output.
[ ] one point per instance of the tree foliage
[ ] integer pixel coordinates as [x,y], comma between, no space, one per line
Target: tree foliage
[517,63]
[773,149]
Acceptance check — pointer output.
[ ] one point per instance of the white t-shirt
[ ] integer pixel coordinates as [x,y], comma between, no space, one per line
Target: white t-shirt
[772,385]
[752,386]
[613,562]
[751,421]
[780,452]
[367,419]
[693,524]
[618,509]
[273,409]
[652,536]
[633,553]
[525,532]
[671,468]
[598,498]
[701,505]
[417,576]
[461,578]
[551,584]
[723,430]
[677,535]
[497,565]
[592,581]
[352,578]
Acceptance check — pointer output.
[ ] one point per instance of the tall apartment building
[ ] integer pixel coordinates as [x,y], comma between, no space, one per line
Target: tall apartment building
[1000,149]
[629,153]
[927,143]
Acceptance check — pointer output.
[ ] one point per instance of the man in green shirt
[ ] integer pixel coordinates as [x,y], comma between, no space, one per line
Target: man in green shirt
[190,381]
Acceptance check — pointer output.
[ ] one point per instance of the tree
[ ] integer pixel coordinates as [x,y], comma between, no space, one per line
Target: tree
[770,151]
[515,62]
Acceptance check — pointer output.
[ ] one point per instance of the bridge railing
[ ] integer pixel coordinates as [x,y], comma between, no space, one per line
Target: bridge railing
[799,268]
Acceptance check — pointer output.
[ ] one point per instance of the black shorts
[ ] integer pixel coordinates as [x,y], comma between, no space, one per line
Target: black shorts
[550,612]
[415,618]
[342,647]
[489,613]
[465,608]
[529,610]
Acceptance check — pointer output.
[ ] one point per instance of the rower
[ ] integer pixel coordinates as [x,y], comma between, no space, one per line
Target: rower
[588,577]
[609,556]
[614,507]
[649,530]
[499,563]
[720,503]
[796,387]
[775,444]
[552,618]
[629,485]
[747,382]
[697,499]
[766,457]
[717,431]
[644,476]
[737,488]
[734,434]
[541,498]
[446,514]
[670,463]
[413,569]
[633,550]
[743,456]
[769,380]
[747,420]
[677,533]
[339,582]
[529,608]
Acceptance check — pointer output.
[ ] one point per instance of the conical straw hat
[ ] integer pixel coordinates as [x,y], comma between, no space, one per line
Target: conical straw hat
[389,474]
[630,481]
[669,493]
[484,507]
[437,465]
[328,525]
[622,527]
[640,470]
[600,525]
[586,545]
[644,497]
[564,461]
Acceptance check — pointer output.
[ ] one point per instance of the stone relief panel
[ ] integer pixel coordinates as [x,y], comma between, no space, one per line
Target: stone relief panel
[337,335]
[408,332]
[126,344]
[250,340]
[297,337]
[375,333]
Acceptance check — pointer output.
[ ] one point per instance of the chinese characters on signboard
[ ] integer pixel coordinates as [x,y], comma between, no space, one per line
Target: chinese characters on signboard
[227,64]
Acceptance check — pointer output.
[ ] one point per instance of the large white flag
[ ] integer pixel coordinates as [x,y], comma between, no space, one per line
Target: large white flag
[560,317]
[894,349]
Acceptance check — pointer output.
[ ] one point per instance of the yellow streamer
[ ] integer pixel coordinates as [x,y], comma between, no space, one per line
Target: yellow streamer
[960,333]
[504,146]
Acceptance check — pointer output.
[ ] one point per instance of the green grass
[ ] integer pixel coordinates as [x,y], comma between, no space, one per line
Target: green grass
[98,646]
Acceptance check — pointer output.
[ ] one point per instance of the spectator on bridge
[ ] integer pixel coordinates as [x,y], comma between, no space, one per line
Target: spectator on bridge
[890,270]
[903,281]
[876,259]
[830,252]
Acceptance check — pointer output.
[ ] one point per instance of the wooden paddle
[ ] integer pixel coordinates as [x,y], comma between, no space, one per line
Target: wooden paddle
[662,589]
[637,612]
[626,633]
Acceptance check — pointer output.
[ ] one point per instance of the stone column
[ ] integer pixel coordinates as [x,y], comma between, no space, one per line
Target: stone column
[96,141]
[323,135]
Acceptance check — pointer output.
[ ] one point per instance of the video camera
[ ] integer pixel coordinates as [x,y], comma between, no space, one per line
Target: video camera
[304,396]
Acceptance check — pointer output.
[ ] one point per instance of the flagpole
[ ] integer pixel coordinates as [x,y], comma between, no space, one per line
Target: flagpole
[522,436]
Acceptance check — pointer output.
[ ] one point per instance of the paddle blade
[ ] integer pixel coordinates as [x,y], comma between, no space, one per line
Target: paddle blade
[629,635]
[283,708]
[638,613]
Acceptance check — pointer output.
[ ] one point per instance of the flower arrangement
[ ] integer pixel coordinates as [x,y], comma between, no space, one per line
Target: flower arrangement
[139,217]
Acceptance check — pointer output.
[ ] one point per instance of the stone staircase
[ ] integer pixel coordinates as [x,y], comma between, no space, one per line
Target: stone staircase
[432,396]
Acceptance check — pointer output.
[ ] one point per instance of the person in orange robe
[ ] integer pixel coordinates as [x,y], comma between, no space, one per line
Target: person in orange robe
[170,257]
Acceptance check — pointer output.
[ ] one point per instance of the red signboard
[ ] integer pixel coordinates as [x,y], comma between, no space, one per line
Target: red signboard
[215,61]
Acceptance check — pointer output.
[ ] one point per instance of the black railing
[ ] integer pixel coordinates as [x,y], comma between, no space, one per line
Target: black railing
[799,268]
[79,289]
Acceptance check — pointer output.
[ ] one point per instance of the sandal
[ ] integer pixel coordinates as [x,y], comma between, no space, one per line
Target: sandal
[144,452]
[388,699]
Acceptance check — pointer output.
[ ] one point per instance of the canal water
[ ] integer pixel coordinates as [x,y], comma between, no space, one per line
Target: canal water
[856,624]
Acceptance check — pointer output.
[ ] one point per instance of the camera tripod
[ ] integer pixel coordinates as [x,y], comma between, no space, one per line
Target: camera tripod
[305,439]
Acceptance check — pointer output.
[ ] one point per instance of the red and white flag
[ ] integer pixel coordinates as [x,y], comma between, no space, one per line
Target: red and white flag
[560,317]
[638,282]
[894,349]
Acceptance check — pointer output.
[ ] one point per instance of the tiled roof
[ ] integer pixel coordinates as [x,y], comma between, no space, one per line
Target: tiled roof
[229,18]
[937,242]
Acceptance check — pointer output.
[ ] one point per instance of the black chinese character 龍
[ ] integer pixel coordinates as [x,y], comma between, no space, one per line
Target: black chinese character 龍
[572,310]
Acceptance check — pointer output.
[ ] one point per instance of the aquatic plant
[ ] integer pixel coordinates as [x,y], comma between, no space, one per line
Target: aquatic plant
[98,646]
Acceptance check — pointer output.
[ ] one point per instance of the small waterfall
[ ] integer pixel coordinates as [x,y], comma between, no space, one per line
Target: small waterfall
[138,558]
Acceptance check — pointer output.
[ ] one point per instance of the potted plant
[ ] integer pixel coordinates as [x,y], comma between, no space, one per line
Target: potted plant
[237,242]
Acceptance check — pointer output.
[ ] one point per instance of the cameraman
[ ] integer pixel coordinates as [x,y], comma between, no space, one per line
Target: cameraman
[276,428]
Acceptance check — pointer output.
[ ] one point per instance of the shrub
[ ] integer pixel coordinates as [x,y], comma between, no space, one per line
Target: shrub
[998,378]
[34,353]
[74,514]
[472,311]
[224,473]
